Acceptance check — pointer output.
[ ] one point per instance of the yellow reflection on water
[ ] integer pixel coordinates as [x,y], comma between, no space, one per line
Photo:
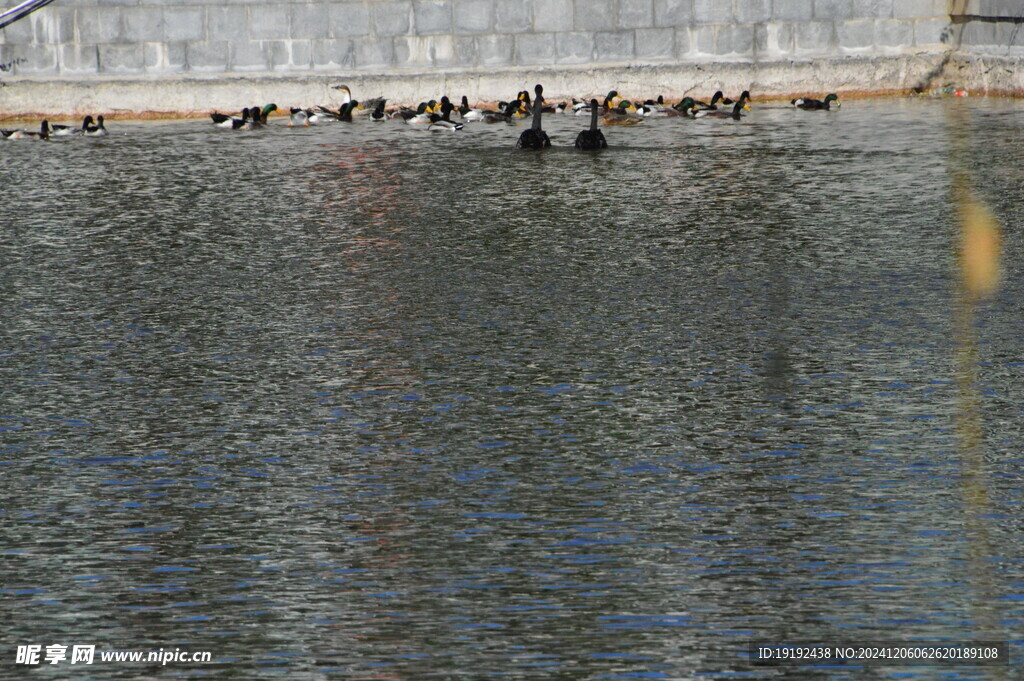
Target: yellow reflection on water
[978,262]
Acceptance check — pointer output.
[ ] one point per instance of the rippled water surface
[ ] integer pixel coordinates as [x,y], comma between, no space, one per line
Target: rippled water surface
[363,402]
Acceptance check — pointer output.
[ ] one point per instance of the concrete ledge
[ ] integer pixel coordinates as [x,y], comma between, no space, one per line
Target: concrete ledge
[186,96]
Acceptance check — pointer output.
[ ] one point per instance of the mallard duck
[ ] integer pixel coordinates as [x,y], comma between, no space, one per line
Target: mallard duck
[507,113]
[657,109]
[622,114]
[593,138]
[421,116]
[583,108]
[735,114]
[58,130]
[443,122]
[265,111]
[535,137]
[810,104]
[43,134]
[686,106]
[712,105]
[298,117]
[378,111]
[90,130]
[219,119]
[744,97]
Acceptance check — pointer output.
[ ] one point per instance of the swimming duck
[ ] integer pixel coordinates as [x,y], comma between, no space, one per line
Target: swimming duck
[443,122]
[593,138]
[90,130]
[378,111]
[809,104]
[58,130]
[43,134]
[744,97]
[736,114]
[422,115]
[507,114]
[583,109]
[657,109]
[219,119]
[298,117]
[622,114]
[712,105]
[266,111]
[535,137]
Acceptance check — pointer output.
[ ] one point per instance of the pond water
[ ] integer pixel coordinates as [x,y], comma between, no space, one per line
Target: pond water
[363,402]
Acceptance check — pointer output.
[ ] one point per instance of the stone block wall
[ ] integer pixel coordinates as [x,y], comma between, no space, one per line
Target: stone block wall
[989,26]
[102,38]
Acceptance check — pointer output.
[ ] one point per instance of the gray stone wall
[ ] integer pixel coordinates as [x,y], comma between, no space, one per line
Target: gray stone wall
[103,38]
[989,26]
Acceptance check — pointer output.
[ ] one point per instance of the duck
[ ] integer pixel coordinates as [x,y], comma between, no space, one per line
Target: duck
[219,119]
[506,114]
[535,137]
[43,134]
[298,117]
[443,122]
[744,97]
[686,106]
[591,139]
[90,130]
[583,108]
[421,116]
[809,104]
[735,114]
[58,130]
[623,114]
[264,112]
[378,111]
[657,109]
[712,105]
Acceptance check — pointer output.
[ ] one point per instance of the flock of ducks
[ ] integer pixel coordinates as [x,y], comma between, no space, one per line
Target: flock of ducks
[89,128]
[437,116]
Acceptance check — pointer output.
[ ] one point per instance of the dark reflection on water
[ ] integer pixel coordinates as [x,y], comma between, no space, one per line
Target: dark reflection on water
[362,402]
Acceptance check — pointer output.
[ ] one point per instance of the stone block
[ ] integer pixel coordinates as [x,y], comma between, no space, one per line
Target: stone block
[753,11]
[635,14]
[183,23]
[833,9]
[76,59]
[793,10]
[146,24]
[331,54]
[594,15]
[994,8]
[513,17]
[655,43]
[99,25]
[495,50]
[855,34]
[53,24]
[875,9]
[40,59]
[465,51]
[300,54]
[913,9]
[473,16]
[574,47]
[704,39]
[535,48]
[774,39]
[893,33]
[248,55]
[734,40]
[424,51]
[712,12]
[277,54]
[207,56]
[431,17]
[932,32]
[122,3]
[614,46]
[673,12]
[683,42]
[164,57]
[309,21]
[127,58]
[372,53]
[267,22]
[551,16]
[814,37]
[19,33]
[350,19]
[391,18]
